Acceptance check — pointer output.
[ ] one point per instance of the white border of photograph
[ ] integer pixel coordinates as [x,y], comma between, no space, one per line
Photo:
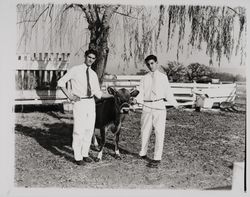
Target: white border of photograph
[7,62]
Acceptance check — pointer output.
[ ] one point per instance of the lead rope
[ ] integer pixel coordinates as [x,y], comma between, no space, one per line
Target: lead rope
[148,106]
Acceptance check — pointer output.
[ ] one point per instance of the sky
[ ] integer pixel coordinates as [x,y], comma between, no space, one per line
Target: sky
[44,37]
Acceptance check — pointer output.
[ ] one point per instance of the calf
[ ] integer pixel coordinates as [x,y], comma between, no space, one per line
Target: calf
[110,114]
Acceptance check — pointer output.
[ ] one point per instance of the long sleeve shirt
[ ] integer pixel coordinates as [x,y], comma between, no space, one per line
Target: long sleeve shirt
[77,76]
[155,86]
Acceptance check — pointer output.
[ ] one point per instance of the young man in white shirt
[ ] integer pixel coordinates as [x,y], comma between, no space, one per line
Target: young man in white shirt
[154,90]
[85,86]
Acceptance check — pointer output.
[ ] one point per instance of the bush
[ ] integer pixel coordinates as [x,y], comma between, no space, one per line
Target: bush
[198,72]
[176,72]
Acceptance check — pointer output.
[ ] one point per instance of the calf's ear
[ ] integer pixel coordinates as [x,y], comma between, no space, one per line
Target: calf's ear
[134,93]
[111,90]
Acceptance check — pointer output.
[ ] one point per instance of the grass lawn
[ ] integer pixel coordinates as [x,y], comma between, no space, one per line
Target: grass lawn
[198,152]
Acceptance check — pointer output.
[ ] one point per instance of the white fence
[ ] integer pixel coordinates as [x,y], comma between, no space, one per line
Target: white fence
[37,75]
[185,93]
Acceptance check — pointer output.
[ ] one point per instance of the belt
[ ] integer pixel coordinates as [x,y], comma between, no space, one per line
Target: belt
[150,101]
[89,97]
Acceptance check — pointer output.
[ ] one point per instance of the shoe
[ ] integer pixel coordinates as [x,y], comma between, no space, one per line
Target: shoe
[144,157]
[87,159]
[80,163]
[154,164]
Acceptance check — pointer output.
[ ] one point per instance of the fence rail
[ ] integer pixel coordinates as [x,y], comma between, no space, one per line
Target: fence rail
[37,79]
[46,92]
[37,75]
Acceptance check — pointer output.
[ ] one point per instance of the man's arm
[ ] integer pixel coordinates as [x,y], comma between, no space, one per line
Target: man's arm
[69,95]
[61,84]
[97,90]
[169,95]
[139,98]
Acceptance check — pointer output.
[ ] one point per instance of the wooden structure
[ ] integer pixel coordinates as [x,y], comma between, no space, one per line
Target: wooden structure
[37,75]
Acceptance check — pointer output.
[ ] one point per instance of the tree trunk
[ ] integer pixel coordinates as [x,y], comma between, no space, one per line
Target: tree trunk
[99,32]
[100,45]
[102,63]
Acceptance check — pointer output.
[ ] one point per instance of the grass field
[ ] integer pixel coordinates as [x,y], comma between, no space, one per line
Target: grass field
[199,150]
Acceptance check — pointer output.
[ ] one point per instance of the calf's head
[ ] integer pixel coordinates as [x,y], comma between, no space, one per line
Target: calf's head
[122,98]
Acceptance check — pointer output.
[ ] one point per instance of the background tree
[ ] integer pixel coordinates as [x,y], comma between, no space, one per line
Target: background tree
[220,31]
[196,71]
[98,18]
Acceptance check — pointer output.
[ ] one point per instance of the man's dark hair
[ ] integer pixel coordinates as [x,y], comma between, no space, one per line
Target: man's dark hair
[91,51]
[151,57]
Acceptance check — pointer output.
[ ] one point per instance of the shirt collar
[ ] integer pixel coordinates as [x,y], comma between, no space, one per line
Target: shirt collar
[85,66]
[153,73]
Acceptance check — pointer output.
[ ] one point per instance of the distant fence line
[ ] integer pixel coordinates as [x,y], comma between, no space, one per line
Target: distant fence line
[37,75]
[47,93]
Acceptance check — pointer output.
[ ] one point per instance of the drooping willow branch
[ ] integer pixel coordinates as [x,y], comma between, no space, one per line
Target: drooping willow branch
[213,26]
[146,29]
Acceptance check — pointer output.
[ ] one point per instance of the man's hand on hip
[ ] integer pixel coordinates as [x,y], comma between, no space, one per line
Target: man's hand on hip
[74,98]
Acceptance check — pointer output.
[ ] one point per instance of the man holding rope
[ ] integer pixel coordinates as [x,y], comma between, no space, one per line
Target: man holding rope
[154,90]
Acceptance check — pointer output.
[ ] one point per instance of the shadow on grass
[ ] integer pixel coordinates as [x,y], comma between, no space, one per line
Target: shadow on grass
[38,108]
[58,137]
[110,145]
[59,117]
[55,139]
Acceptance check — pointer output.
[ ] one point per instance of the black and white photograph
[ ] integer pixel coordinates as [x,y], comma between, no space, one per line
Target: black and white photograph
[119,98]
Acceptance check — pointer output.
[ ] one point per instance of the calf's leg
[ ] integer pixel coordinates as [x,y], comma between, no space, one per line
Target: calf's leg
[94,143]
[117,153]
[116,139]
[102,143]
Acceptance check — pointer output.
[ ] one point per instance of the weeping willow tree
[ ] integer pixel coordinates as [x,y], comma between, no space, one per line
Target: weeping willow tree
[132,32]
[220,31]
[212,25]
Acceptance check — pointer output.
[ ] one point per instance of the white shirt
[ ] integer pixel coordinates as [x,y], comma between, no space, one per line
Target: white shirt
[154,86]
[77,75]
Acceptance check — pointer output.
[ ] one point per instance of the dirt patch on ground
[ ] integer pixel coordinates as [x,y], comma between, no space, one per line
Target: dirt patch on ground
[199,150]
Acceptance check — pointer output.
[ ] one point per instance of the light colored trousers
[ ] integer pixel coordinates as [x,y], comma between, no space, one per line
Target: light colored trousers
[153,119]
[84,123]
